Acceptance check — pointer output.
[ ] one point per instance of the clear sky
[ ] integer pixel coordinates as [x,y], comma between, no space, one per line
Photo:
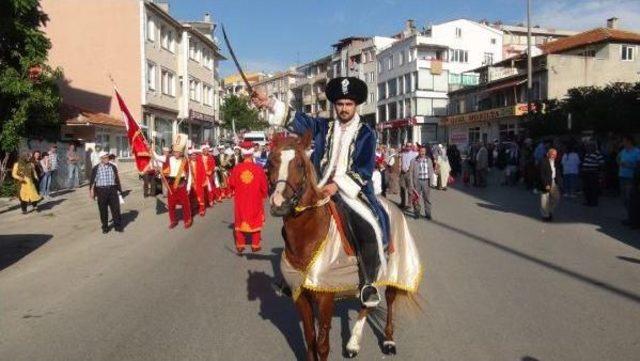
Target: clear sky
[270,35]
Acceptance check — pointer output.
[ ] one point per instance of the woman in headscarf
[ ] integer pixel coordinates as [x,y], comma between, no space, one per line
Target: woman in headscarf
[443,168]
[25,174]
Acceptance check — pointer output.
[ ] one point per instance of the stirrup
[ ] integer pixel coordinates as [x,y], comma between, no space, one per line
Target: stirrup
[373,302]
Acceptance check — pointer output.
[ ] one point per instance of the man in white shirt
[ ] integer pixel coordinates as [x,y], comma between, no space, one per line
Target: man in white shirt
[406,157]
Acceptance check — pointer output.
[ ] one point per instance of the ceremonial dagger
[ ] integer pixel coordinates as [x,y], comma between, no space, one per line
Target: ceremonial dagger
[235,60]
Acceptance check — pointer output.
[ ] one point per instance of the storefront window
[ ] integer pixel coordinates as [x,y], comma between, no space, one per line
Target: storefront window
[164,130]
[122,144]
[508,131]
[196,135]
[102,140]
[474,135]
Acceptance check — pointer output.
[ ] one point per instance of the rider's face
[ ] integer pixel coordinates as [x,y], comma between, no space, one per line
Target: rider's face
[346,109]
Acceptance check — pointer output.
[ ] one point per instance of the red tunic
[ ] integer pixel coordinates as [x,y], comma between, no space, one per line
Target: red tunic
[249,182]
[209,163]
[199,179]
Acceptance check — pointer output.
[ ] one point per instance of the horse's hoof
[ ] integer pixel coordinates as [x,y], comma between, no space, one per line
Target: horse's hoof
[351,354]
[389,348]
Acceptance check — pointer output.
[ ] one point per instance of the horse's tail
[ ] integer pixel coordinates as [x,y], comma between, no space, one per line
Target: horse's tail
[409,305]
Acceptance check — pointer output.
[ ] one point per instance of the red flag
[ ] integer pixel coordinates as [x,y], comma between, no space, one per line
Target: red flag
[137,141]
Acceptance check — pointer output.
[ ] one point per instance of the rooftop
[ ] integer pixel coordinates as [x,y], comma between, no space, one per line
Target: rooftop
[595,36]
[73,115]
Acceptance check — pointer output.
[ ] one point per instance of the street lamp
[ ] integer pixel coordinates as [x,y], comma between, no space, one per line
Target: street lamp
[529,63]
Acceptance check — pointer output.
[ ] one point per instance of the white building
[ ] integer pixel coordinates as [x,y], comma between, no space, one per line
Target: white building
[416,72]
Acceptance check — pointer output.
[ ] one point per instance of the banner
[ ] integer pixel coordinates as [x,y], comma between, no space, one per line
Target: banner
[137,141]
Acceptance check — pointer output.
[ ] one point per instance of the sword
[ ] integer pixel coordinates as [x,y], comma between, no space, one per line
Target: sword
[235,60]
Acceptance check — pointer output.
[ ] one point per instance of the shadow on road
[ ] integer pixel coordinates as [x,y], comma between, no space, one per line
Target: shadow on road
[161,207]
[629,259]
[11,208]
[551,266]
[129,217]
[50,204]
[517,200]
[14,247]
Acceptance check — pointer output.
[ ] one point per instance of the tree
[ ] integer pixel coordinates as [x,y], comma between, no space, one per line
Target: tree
[237,109]
[29,98]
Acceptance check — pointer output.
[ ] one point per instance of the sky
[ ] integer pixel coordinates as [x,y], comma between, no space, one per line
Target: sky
[271,35]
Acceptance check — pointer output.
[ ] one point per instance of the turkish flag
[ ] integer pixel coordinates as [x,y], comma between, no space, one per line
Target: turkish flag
[137,141]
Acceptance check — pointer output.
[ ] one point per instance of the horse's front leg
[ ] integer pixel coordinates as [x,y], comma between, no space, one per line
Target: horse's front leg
[353,346]
[305,310]
[325,310]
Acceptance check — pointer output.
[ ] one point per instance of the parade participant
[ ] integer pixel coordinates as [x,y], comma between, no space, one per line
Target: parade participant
[149,181]
[232,158]
[198,179]
[25,174]
[344,158]
[176,171]
[209,163]
[104,184]
[250,184]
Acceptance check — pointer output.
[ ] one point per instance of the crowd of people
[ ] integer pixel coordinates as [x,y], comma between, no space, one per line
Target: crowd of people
[557,168]
[412,171]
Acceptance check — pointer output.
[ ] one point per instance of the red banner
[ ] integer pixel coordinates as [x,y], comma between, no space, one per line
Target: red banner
[137,141]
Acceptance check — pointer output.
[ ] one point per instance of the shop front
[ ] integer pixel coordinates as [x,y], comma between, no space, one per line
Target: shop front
[416,129]
[201,128]
[500,124]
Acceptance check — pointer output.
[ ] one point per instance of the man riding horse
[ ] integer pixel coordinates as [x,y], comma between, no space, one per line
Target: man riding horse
[344,159]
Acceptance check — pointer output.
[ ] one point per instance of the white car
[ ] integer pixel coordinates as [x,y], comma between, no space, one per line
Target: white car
[255,137]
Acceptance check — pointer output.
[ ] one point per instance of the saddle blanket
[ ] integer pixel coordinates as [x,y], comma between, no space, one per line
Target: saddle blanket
[332,269]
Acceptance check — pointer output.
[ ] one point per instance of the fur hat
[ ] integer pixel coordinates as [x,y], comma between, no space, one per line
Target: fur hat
[346,88]
[180,142]
[246,148]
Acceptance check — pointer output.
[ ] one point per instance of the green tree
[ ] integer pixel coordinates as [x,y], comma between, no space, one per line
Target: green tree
[237,108]
[29,98]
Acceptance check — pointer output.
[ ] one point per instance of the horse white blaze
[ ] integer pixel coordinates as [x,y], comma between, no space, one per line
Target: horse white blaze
[286,156]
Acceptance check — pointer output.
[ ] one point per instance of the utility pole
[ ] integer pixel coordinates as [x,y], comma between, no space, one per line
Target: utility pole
[529,63]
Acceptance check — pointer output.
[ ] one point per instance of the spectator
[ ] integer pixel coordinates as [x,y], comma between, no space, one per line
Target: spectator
[53,160]
[455,160]
[73,168]
[482,165]
[444,167]
[420,173]
[629,163]
[570,170]
[592,169]
[24,172]
[376,179]
[550,195]
[405,182]
[104,185]
[35,160]
[45,180]
[95,158]
[393,172]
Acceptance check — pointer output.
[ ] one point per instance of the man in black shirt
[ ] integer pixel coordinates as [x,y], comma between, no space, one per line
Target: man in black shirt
[105,185]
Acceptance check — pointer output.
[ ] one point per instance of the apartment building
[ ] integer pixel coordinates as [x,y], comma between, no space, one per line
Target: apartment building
[165,70]
[356,57]
[514,38]
[416,72]
[308,93]
[234,84]
[496,108]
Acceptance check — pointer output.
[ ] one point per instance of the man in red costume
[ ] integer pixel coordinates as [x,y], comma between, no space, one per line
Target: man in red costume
[249,182]
[209,164]
[176,170]
[198,176]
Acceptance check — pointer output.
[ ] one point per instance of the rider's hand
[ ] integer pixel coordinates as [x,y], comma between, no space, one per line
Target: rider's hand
[259,99]
[330,189]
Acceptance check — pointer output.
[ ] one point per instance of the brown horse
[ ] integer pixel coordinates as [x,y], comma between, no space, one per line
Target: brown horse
[307,217]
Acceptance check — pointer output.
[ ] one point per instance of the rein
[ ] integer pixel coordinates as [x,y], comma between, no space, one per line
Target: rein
[297,195]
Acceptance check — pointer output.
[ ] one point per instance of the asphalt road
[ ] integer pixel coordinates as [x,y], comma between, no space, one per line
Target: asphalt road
[499,285]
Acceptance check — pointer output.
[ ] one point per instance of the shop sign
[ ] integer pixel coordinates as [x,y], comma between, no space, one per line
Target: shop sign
[398,123]
[201,116]
[499,73]
[459,136]
[486,115]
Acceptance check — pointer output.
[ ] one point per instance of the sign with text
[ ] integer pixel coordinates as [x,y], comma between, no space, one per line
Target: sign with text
[486,115]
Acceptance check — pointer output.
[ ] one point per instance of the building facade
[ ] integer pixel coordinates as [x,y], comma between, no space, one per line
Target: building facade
[167,78]
[417,71]
[308,93]
[514,39]
[496,108]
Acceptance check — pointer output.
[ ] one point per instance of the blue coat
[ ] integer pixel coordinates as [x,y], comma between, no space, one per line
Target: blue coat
[362,156]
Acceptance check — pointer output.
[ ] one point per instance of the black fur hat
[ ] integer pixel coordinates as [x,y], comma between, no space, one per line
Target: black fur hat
[346,88]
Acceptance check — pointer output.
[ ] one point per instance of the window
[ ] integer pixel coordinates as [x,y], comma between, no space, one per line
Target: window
[493,41]
[382,113]
[372,98]
[458,56]
[391,84]
[382,91]
[589,53]
[409,59]
[390,63]
[400,58]
[474,135]
[488,58]
[151,30]
[192,50]
[168,83]
[458,33]
[627,52]
[168,42]
[393,110]
[407,83]
[151,76]
[193,86]
[208,95]
[198,91]
[379,66]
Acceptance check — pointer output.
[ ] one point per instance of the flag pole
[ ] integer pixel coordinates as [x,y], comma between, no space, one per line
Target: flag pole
[163,179]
